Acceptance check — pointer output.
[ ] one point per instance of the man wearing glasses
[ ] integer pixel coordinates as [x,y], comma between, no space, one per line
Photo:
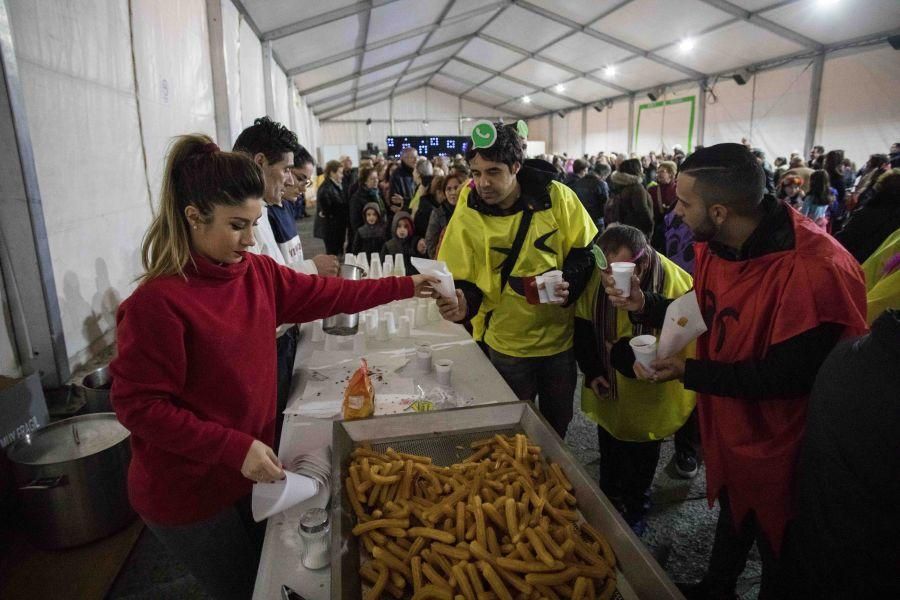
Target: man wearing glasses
[304,172]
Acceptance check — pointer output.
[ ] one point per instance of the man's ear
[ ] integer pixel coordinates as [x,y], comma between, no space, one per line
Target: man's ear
[514,169]
[718,213]
[260,159]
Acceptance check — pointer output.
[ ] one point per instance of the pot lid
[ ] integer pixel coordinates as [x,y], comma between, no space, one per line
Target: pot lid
[69,439]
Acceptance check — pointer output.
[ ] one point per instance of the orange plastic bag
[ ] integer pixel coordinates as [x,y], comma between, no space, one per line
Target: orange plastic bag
[359,397]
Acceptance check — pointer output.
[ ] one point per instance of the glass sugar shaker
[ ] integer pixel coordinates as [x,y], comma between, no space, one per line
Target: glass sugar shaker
[315,533]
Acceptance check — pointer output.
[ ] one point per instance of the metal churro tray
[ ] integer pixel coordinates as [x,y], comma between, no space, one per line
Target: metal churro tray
[445,437]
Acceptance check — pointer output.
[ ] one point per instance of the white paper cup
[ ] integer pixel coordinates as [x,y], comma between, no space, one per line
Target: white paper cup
[434,314]
[387,268]
[442,370]
[399,265]
[392,323]
[423,357]
[332,342]
[349,259]
[644,348]
[421,315]
[551,280]
[622,272]
[318,334]
[362,260]
[403,329]
[410,313]
[384,332]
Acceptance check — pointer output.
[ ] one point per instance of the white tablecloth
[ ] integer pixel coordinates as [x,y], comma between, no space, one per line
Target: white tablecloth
[473,378]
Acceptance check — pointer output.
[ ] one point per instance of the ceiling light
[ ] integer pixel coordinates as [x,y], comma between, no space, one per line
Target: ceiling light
[686,45]
[610,71]
[560,88]
[526,99]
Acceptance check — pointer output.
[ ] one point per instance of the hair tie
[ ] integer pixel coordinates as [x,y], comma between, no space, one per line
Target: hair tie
[209,148]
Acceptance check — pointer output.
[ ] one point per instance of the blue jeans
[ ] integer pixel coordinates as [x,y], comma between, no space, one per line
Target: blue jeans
[550,379]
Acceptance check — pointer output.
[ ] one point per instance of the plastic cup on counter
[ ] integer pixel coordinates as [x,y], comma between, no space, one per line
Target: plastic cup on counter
[403,329]
[434,314]
[423,357]
[384,332]
[622,272]
[421,313]
[644,348]
[410,314]
[442,370]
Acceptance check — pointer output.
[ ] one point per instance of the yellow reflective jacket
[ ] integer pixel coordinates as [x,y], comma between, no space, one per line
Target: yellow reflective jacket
[882,291]
[479,238]
[643,411]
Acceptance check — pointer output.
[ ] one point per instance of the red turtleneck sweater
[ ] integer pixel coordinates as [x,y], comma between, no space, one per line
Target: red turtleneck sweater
[194,377]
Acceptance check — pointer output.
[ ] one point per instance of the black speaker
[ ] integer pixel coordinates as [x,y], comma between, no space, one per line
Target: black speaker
[652,96]
[894,41]
[739,79]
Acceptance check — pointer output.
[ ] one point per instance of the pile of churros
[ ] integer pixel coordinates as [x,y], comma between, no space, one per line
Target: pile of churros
[501,524]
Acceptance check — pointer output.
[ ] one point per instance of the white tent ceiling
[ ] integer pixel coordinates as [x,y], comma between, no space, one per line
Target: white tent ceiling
[343,54]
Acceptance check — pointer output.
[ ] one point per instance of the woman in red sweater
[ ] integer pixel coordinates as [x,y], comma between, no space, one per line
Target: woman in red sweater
[194,377]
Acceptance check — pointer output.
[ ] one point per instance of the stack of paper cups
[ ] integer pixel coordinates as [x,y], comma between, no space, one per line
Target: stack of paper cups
[403,330]
[384,332]
[388,268]
[392,323]
[410,314]
[349,259]
[622,272]
[422,313]
[332,342]
[372,323]
[375,267]
[318,334]
[433,313]
[399,265]
[362,261]
[644,348]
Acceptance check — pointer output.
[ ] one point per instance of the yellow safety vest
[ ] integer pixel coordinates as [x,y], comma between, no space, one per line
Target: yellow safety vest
[882,292]
[474,248]
[644,410]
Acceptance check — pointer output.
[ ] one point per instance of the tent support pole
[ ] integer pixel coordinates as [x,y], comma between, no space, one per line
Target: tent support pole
[630,124]
[550,133]
[268,79]
[219,75]
[701,115]
[815,94]
[391,113]
[584,114]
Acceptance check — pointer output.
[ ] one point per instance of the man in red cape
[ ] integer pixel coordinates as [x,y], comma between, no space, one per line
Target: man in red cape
[777,294]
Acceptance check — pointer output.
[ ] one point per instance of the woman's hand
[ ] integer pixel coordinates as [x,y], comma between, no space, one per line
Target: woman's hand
[453,310]
[633,303]
[424,285]
[261,465]
[664,369]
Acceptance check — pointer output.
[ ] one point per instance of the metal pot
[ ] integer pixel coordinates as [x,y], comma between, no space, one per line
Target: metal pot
[71,480]
[343,324]
[95,387]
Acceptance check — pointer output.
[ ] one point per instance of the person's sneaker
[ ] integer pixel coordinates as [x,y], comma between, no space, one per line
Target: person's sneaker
[686,465]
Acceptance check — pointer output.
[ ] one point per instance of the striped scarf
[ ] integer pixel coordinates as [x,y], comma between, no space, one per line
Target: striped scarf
[606,315]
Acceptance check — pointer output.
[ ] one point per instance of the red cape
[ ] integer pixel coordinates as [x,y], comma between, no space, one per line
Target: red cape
[751,446]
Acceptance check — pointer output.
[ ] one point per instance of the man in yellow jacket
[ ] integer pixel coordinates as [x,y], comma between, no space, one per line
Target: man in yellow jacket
[511,223]
[633,416]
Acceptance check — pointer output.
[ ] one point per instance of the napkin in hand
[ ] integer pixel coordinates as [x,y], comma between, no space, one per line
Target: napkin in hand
[437,268]
[683,324]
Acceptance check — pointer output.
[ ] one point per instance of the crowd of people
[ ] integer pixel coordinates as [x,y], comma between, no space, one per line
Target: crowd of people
[794,267]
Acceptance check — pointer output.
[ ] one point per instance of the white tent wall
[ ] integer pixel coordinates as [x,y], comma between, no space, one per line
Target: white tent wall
[770,110]
[410,111]
[607,130]
[78,85]
[9,362]
[174,86]
[859,111]
[670,120]
[250,66]
[567,134]
[105,91]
